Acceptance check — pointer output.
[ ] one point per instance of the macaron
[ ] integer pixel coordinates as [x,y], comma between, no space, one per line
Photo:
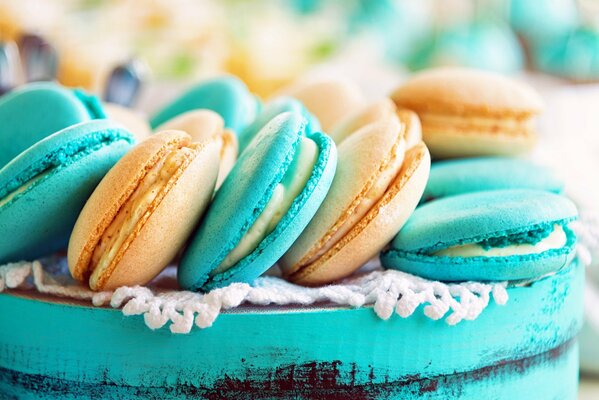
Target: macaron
[266,201]
[495,235]
[376,111]
[206,125]
[34,111]
[453,177]
[43,189]
[466,112]
[328,100]
[133,120]
[142,212]
[376,187]
[273,108]
[227,96]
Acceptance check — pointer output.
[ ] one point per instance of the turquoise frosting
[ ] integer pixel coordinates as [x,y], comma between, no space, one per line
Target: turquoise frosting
[522,347]
[452,177]
[493,218]
[227,96]
[69,165]
[37,110]
[242,198]
[271,110]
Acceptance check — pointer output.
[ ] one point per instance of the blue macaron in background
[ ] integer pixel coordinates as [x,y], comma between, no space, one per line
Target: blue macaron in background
[274,162]
[43,190]
[228,96]
[453,177]
[34,111]
[272,109]
[492,235]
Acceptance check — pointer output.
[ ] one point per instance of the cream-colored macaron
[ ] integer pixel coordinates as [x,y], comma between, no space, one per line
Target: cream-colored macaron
[329,101]
[134,121]
[142,212]
[377,111]
[206,125]
[376,187]
[467,112]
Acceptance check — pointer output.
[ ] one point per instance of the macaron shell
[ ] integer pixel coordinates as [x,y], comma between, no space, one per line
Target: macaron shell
[475,216]
[271,109]
[377,228]
[134,121]
[360,159]
[466,91]
[329,101]
[453,177]
[171,223]
[201,125]
[41,218]
[241,199]
[413,133]
[451,142]
[227,96]
[37,110]
[291,225]
[205,125]
[111,193]
[372,112]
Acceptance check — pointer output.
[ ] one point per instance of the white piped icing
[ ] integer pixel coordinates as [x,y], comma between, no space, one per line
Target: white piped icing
[556,240]
[284,194]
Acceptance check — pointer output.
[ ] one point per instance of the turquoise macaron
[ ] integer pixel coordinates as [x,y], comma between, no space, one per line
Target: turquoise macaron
[453,177]
[227,96]
[272,109]
[37,110]
[266,201]
[44,188]
[494,235]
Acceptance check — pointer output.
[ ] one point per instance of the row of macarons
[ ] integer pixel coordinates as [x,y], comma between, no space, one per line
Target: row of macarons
[320,205]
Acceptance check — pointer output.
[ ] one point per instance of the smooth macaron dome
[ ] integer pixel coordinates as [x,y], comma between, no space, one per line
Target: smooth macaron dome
[227,96]
[453,177]
[143,211]
[37,110]
[266,201]
[131,119]
[467,112]
[206,125]
[44,188]
[377,185]
[493,235]
[376,111]
[328,100]
[273,108]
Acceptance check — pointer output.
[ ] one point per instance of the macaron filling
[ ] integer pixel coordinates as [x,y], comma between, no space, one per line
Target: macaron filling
[387,174]
[293,182]
[513,125]
[137,209]
[535,241]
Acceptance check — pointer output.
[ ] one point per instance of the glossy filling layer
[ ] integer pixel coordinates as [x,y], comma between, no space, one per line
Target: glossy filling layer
[134,209]
[284,194]
[374,194]
[24,187]
[511,125]
[555,239]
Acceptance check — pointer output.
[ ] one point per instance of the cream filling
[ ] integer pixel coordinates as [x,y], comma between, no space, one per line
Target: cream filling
[507,123]
[374,194]
[23,187]
[284,194]
[556,240]
[123,225]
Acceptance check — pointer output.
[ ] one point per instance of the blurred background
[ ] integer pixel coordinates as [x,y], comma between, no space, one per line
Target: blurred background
[142,53]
